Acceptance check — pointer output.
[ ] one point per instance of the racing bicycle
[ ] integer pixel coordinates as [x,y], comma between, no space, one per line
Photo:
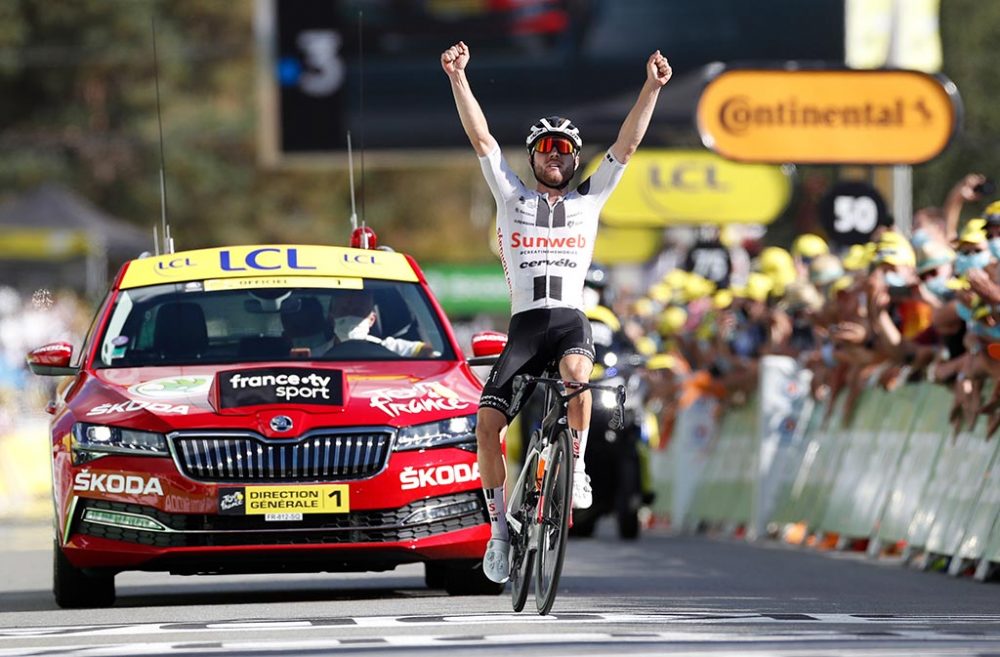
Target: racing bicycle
[539,508]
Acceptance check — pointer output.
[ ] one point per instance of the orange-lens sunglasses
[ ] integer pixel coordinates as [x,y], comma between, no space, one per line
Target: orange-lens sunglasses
[561,144]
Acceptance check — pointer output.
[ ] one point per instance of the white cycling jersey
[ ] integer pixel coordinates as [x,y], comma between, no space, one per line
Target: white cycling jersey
[546,248]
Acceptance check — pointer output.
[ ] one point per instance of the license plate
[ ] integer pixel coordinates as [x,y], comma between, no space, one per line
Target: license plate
[282,500]
[282,517]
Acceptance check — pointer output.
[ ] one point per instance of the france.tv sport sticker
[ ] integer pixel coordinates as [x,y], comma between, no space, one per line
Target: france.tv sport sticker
[280,385]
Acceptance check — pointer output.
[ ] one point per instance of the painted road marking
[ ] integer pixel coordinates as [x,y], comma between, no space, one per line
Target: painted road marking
[817,643]
[452,620]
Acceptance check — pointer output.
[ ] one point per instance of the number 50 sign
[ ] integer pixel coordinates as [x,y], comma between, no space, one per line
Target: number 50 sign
[851,211]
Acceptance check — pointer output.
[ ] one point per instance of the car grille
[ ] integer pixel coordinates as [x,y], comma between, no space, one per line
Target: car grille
[200,530]
[243,458]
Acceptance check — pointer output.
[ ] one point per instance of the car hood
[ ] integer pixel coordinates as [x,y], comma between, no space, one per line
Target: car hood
[304,395]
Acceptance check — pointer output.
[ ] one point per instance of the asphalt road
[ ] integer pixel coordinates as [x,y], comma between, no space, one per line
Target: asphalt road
[660,595]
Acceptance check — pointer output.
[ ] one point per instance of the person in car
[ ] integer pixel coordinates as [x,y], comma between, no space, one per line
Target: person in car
[546,237]
[352,315]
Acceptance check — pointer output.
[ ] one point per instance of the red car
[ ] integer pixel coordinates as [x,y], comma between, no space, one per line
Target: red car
[273,408]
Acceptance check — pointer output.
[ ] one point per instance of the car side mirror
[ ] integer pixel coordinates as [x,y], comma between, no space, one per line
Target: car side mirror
[486,346]
[52,360]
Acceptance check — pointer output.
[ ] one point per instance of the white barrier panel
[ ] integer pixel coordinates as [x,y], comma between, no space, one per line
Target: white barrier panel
[784,401]
[915,467]
[694,436]
[974,455]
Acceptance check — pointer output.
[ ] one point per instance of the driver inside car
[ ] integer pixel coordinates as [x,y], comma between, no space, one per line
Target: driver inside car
[352,315]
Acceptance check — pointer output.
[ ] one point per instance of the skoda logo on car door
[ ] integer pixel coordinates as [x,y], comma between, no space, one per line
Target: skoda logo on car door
[281,423]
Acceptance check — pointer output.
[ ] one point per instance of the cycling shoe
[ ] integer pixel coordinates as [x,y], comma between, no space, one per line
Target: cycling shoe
[496,561]
[583,494]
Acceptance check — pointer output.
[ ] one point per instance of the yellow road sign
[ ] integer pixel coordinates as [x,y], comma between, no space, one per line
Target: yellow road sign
[828,117]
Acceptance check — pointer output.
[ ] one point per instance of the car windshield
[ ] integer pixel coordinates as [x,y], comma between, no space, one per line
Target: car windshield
[187,324]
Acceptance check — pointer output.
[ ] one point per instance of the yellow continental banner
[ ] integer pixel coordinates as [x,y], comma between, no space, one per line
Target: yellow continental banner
[274,261]
[665,187]
[327,498]
[828,117]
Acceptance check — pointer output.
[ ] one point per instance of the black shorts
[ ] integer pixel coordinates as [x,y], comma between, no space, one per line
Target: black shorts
[535,339]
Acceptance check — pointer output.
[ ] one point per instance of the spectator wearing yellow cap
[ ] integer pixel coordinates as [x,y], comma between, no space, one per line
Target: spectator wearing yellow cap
[971,246]
[859,256]
[671,322]
[779,266]
[985,280]
[751,332]
[895,310]
[805,248]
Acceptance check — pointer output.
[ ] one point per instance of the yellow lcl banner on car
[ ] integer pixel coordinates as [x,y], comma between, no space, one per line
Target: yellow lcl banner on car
[828,117]
[273,260]
[668,187]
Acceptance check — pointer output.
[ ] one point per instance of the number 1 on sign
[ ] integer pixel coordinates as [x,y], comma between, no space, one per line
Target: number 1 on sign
[337,498]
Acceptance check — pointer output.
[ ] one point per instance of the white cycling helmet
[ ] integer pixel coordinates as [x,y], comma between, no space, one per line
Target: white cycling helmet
[553,125]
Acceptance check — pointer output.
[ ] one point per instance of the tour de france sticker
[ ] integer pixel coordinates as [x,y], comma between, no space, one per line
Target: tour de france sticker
[232,501]
[280,385]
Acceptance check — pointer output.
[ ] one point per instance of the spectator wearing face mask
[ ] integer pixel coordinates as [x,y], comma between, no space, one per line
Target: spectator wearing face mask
[985,280]
[352,316]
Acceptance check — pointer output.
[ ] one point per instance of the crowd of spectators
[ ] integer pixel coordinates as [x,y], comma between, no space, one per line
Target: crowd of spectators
[900,308]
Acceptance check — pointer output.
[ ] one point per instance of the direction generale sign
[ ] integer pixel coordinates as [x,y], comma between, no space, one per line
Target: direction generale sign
[828,117]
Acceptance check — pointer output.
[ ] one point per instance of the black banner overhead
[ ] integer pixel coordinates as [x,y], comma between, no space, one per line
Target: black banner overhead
[373,67]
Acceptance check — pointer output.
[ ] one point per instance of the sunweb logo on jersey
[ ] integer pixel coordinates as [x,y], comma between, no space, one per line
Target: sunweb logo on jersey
[280,385]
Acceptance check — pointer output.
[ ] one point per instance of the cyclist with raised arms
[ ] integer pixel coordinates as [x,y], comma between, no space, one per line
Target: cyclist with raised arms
[546,238]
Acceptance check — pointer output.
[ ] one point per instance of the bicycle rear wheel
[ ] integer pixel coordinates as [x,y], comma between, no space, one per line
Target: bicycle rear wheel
[523,557]
[557,496]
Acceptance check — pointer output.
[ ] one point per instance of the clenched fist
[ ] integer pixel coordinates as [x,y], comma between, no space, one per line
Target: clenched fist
[658,69]
[455,59]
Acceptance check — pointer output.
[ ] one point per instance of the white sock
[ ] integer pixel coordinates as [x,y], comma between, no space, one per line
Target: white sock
[580,449]
[496,506]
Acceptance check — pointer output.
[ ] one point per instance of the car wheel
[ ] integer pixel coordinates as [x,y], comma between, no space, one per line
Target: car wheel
[435,575]
[73,588]
[468,578]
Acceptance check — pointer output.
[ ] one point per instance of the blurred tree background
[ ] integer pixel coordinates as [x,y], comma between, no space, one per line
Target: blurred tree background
[78,106]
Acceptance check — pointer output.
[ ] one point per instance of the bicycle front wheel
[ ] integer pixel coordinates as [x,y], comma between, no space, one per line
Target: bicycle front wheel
[523,552]
[557,497]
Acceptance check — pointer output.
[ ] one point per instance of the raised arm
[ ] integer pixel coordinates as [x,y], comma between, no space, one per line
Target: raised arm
[964,190]
[634,128]
[453,61]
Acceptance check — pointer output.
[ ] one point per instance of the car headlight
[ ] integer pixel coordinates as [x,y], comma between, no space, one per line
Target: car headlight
[93,440]
[457,432]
